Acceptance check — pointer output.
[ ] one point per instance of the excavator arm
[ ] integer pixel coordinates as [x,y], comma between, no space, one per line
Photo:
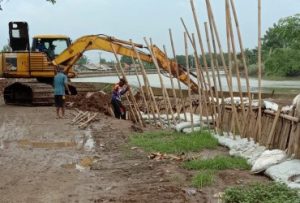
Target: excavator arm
[110,44]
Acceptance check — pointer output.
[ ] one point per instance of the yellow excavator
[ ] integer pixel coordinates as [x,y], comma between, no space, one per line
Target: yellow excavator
[48,51]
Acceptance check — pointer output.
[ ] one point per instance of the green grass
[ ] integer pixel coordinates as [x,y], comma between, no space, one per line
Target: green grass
[203,179]
[266,193]
[218,163]
[173,142]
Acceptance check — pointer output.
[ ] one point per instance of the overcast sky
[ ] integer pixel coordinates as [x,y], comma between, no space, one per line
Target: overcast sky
[135,19]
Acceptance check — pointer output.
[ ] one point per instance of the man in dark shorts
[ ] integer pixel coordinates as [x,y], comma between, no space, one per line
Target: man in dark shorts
[60,84]
[119,89]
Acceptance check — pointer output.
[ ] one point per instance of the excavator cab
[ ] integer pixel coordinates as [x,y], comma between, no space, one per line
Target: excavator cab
[52,45]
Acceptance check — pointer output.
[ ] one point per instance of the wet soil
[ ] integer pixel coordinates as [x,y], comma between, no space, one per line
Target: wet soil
[43,159]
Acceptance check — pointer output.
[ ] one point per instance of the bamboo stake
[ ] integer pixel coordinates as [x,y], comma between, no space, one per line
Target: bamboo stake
[130,107]
[213,76]
[231,36]
[228,79]
[259,68]
[203,84]
[151,103]
[200,77]
[271,134]
[160,78]
[204,60]
[172,83]
[243,53]
[189,82]
[140,86]
[146,81]
[177,74]
[215,58]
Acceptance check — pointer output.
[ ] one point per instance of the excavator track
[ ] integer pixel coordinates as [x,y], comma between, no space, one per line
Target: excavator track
[29,94]
[37,93]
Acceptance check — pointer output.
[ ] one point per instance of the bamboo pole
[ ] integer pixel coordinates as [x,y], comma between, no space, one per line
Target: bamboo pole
[242,52]
[203,84]
[271,134]
[172,83]
[215,58]
[200,77]
[189,82]
[141,88]
[228,79]
[160,78]
[204,61]
[146,81]
[213,76]
[177,74]
[151,106]
[135,106]
[259,69]
[231,37]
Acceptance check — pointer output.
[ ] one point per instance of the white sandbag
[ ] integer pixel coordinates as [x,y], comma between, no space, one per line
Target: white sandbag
[180,126]
[236,100]
[189,130]
[252,154]
[227,141]
[287,172]
[241,146]
[270,105]
[268,158]
[196,117]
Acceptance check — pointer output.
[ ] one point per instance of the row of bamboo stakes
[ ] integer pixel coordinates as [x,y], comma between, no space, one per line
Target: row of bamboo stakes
[240,119]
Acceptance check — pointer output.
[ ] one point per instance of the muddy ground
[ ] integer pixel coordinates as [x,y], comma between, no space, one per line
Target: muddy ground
[43,159]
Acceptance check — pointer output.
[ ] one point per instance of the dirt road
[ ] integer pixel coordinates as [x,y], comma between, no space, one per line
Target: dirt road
[43,159]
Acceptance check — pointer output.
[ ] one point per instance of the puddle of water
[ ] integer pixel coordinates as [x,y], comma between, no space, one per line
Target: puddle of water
[52,145]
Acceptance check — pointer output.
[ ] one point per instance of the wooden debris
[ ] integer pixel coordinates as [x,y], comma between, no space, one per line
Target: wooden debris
[83,119]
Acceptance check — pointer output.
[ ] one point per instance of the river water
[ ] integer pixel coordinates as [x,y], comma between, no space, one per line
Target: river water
[292,86]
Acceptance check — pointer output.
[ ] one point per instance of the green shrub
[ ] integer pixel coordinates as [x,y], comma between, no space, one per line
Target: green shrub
[265,193]
[283,62]
[173,142]
[203,178]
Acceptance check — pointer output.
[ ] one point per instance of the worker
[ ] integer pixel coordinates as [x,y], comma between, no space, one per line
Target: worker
[60,85]
[119,89]
[51,51]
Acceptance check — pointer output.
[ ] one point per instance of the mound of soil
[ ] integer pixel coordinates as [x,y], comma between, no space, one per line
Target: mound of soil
[91,101]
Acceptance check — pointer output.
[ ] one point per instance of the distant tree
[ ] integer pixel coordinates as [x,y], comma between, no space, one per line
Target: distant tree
[283,62]
[284,34]
[281,46]
[83,60]
[126,59]
[6,48]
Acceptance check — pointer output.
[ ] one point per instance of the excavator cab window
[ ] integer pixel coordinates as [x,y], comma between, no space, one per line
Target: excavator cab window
[51,46]
[18,36]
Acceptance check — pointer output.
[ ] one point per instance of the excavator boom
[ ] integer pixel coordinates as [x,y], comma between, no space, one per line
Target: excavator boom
[110,44]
